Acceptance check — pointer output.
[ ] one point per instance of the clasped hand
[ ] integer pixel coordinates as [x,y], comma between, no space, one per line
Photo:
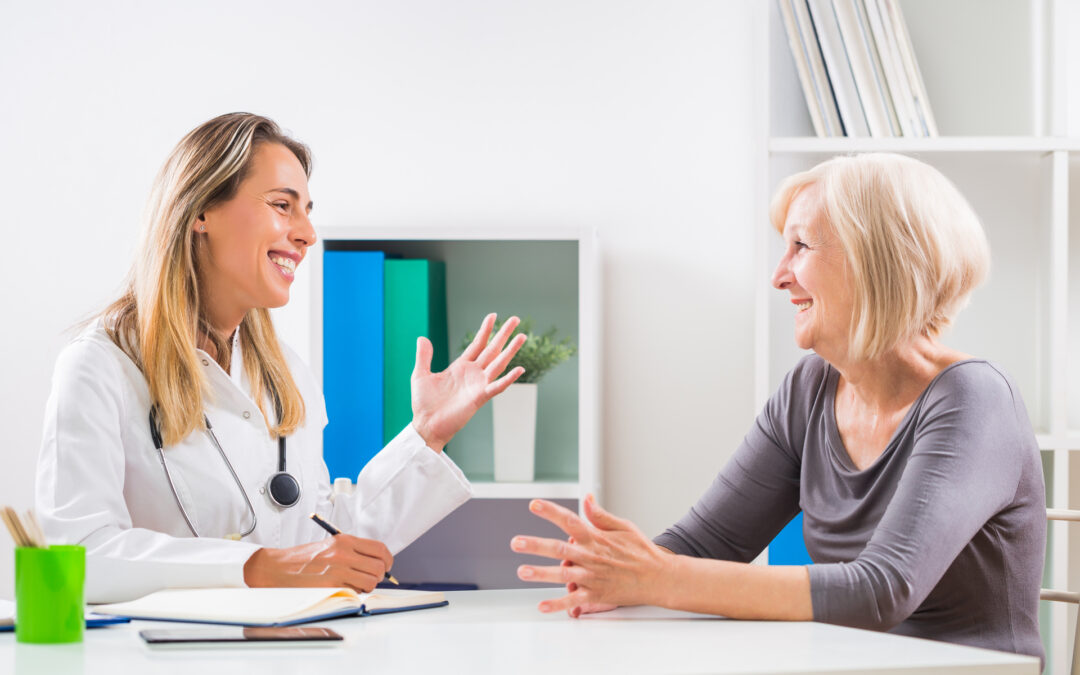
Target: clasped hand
[606,562]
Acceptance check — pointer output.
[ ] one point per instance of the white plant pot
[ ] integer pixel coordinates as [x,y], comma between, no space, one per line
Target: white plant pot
[514,413]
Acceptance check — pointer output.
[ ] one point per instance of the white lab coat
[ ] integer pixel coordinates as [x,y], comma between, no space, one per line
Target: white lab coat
[100,482]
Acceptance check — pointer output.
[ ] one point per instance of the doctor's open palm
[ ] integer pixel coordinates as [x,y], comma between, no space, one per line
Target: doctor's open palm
[443,402]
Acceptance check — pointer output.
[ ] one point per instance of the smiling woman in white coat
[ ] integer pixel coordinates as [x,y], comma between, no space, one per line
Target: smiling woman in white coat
[182,441]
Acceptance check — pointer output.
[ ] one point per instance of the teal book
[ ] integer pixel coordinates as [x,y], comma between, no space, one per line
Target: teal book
[414,305]
[352,359]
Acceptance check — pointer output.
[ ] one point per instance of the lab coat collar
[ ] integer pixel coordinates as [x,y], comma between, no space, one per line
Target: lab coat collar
[233,384]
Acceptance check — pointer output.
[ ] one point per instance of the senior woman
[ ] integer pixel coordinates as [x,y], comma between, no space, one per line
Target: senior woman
[915,465]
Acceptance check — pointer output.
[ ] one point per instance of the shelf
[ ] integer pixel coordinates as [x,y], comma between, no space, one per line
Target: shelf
[812,145]
[471,233]
[488,489]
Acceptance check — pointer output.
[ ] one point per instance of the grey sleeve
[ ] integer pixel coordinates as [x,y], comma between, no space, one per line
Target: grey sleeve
[964,467]
[757,491]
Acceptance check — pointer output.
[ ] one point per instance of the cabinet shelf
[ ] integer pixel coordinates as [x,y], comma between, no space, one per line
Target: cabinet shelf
[796,145]
[487,488]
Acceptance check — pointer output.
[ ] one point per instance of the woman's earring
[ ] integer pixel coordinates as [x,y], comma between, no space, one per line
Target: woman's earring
[202,228]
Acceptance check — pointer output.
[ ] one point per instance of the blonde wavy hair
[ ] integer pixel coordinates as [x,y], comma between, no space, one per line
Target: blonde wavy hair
[159,318]
[914,245]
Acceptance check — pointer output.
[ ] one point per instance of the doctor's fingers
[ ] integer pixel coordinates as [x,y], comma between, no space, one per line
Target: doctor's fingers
[496,367]
[360,582]
[478,343]
[499,386]
[495,346]
[369,548]
[565,519]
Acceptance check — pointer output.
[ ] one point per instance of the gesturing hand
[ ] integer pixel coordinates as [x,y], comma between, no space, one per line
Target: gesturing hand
[608,561]
[338,561]
[443,402]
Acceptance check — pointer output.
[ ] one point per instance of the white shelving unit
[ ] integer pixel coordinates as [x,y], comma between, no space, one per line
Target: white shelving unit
[578,472]
[1000,75]
[550,275]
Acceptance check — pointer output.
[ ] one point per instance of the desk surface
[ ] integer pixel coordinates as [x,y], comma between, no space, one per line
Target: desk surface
[502,632]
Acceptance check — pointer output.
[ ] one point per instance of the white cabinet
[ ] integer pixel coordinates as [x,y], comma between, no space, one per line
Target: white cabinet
[549,275]
[1000,76]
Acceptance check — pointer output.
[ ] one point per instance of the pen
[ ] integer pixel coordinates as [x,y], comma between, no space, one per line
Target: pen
[333,531]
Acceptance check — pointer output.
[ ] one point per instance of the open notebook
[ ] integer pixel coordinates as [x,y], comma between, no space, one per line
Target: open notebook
[269,606]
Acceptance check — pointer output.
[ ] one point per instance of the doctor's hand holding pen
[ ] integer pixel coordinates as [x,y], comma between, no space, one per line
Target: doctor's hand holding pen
[442,404]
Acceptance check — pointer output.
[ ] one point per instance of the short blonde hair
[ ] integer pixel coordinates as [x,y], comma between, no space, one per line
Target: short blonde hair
[914,245]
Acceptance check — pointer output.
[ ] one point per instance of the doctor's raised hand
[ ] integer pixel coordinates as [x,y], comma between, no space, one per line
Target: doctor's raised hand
[443,402]
[183,440]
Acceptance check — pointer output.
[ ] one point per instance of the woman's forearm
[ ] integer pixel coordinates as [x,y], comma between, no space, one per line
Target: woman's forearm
[739,590]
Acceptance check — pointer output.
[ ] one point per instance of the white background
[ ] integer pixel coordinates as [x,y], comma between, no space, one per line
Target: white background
[634,117]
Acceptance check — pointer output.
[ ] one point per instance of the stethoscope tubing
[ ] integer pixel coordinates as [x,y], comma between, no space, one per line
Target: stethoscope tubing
[282,481]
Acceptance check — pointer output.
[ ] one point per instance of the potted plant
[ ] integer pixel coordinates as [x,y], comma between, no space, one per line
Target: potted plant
[514,411]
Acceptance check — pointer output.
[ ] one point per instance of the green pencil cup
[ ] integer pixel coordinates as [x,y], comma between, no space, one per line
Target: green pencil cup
[49,594]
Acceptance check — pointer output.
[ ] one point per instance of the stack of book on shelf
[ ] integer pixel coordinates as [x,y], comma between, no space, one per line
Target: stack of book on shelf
[374,309]
[857,68]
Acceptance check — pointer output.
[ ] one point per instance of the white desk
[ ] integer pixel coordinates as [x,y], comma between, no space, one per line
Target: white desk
[501,632]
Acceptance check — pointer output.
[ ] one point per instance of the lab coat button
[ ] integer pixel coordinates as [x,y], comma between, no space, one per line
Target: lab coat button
[247,414]
[262,490]
[205,362]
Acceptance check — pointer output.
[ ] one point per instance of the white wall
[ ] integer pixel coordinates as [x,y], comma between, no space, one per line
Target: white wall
[635,117]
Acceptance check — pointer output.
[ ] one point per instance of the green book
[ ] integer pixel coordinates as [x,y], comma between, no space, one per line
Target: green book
[414,305]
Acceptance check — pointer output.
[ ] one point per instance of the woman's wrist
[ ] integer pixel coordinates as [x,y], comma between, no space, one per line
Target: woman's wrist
[669,578]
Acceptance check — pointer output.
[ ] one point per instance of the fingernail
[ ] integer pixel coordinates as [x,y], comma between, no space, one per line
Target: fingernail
[544,607]
[518,544]
[536,506]
[525,572]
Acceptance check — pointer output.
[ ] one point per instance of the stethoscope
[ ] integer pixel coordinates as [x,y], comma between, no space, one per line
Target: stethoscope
[283,488]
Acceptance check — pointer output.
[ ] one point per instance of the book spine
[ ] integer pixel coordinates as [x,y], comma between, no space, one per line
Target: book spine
[414,306]
[818,73]
[802,67]
[836,63]
[877,118]
[885,40]
[881,86]
[911,68]
[352,359]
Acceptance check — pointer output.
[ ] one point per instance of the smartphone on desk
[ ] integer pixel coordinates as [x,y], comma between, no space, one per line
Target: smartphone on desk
[241,636]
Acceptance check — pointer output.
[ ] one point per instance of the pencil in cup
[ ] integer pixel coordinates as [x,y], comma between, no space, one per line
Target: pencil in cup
[333,531]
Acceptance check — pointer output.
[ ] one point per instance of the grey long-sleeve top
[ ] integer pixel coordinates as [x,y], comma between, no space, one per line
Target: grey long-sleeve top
[942,537]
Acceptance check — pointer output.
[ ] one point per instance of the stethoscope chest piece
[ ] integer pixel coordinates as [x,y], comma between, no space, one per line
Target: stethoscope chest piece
[283,488]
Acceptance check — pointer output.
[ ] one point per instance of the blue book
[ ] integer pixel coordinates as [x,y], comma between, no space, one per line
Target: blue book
[788,548]
[352,359]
